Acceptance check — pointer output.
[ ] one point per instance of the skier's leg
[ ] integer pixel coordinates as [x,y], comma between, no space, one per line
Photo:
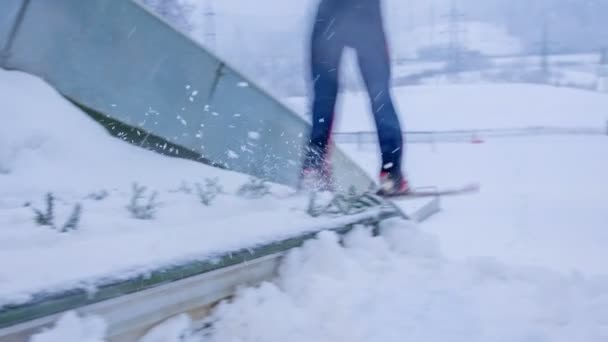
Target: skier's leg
[374,63]
[325,55]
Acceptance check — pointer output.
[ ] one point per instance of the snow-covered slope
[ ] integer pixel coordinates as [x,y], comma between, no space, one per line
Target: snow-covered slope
[47,145]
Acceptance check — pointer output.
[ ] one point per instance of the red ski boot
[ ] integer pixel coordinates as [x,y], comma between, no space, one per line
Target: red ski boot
[393,184]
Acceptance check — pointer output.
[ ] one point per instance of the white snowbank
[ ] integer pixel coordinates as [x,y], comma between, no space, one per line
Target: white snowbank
[398,287]
[73,328]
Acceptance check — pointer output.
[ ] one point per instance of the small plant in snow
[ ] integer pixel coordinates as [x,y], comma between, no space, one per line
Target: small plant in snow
[47,218]
[184,187]
[98,196]
[140,210]
[254,188]
[73,220]
[210,191]
[214,184]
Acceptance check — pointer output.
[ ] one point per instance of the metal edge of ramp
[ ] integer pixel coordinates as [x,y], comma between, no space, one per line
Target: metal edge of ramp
[153,297]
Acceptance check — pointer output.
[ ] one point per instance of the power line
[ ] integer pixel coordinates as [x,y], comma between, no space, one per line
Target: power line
[209,26]
[454,31]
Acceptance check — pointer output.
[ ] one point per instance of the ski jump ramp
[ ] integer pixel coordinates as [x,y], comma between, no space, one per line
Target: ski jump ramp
[153,86]
[158,88]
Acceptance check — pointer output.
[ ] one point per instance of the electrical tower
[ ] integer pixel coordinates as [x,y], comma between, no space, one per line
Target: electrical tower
[544,49]
[603,72]
[432,27]
[455,32]
[209,25]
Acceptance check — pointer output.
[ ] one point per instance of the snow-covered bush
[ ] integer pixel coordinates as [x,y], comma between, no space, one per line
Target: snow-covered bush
[209,191]
[98,196]
[47,218]
[254,188]
[139,210]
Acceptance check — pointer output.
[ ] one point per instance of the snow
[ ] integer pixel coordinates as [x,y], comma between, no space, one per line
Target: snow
[542,199]
[171,330]
[523,260]
[399,287]
[47,145]
[71,327]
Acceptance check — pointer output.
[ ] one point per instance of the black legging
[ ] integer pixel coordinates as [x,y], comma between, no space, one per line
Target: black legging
[357,24]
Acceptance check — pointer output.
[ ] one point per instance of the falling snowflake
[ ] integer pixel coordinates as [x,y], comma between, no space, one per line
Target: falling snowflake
[232,155]
[182,120]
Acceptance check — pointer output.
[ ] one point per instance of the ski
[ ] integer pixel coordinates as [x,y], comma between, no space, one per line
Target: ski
[431,192]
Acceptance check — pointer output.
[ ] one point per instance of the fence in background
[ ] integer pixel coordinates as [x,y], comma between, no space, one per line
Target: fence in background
[475,136]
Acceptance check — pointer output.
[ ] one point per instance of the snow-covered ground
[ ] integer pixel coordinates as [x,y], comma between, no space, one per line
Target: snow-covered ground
[541,196]
[394,287]
[47,145]
[543,200]
[520,261]
[399,287]
[523,260]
